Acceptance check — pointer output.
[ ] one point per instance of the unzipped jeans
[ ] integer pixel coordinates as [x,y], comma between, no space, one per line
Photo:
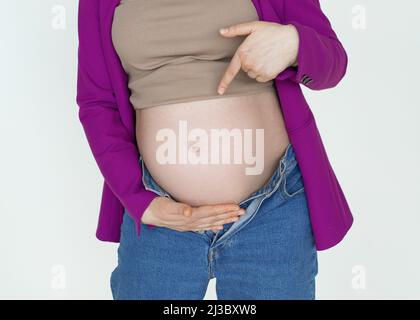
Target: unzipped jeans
[269,253]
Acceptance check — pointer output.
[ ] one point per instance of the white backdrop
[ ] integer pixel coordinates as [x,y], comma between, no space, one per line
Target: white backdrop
[50,185]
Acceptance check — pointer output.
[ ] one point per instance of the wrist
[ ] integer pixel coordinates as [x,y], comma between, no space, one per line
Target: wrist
[294,44]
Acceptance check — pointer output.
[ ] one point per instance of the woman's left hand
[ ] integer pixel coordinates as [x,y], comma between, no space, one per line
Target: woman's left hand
[268,49]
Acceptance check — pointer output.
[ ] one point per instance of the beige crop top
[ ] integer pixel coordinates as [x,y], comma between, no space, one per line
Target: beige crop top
[173,52]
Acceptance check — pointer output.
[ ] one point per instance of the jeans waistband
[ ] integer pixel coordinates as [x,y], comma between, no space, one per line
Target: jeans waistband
[286,163]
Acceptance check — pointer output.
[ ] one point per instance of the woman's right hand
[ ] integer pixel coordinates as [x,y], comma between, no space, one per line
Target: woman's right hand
[165,212]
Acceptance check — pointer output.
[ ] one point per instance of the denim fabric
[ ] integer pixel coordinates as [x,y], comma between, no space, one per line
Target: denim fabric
[269,253]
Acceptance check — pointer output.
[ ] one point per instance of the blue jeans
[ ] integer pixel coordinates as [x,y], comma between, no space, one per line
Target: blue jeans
[269,253]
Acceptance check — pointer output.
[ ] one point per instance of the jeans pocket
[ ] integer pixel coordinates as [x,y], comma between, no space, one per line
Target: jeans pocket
[293,183]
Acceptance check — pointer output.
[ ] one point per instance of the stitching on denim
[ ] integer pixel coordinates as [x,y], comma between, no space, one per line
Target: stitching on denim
[283,168]
[276,175]
[284,189]
[268,195]
[210,267]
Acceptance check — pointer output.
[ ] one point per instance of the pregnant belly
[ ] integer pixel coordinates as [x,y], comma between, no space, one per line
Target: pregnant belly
[213,151]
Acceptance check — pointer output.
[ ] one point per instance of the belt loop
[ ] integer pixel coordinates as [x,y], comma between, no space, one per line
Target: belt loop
[282,167]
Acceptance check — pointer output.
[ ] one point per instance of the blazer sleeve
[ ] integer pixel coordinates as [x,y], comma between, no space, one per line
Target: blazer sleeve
[322,59]
[113,147]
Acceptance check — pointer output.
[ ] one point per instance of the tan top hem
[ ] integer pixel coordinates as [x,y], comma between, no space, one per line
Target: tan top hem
[200,98]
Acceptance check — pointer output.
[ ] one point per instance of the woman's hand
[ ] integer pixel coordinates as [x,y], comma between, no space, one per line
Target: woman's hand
[269,49]
[165,212]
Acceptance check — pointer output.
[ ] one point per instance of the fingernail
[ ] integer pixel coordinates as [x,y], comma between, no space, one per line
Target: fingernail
[223,30]
[241,212]
[220,90]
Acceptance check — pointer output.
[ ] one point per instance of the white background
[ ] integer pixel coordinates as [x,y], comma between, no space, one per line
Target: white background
[50,185]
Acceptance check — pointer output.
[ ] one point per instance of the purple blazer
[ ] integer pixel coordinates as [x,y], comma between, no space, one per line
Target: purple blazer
[108,118]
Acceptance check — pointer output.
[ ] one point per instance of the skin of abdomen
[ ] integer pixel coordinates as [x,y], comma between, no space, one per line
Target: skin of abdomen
[216,181]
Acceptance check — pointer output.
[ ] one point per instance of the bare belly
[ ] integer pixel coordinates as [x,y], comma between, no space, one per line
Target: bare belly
[213,151]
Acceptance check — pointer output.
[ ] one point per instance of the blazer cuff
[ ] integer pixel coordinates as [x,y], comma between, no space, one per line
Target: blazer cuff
[138,205]
[302,73]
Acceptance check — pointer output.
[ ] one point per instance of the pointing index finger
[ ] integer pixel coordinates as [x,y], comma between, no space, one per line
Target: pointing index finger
[230,73]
